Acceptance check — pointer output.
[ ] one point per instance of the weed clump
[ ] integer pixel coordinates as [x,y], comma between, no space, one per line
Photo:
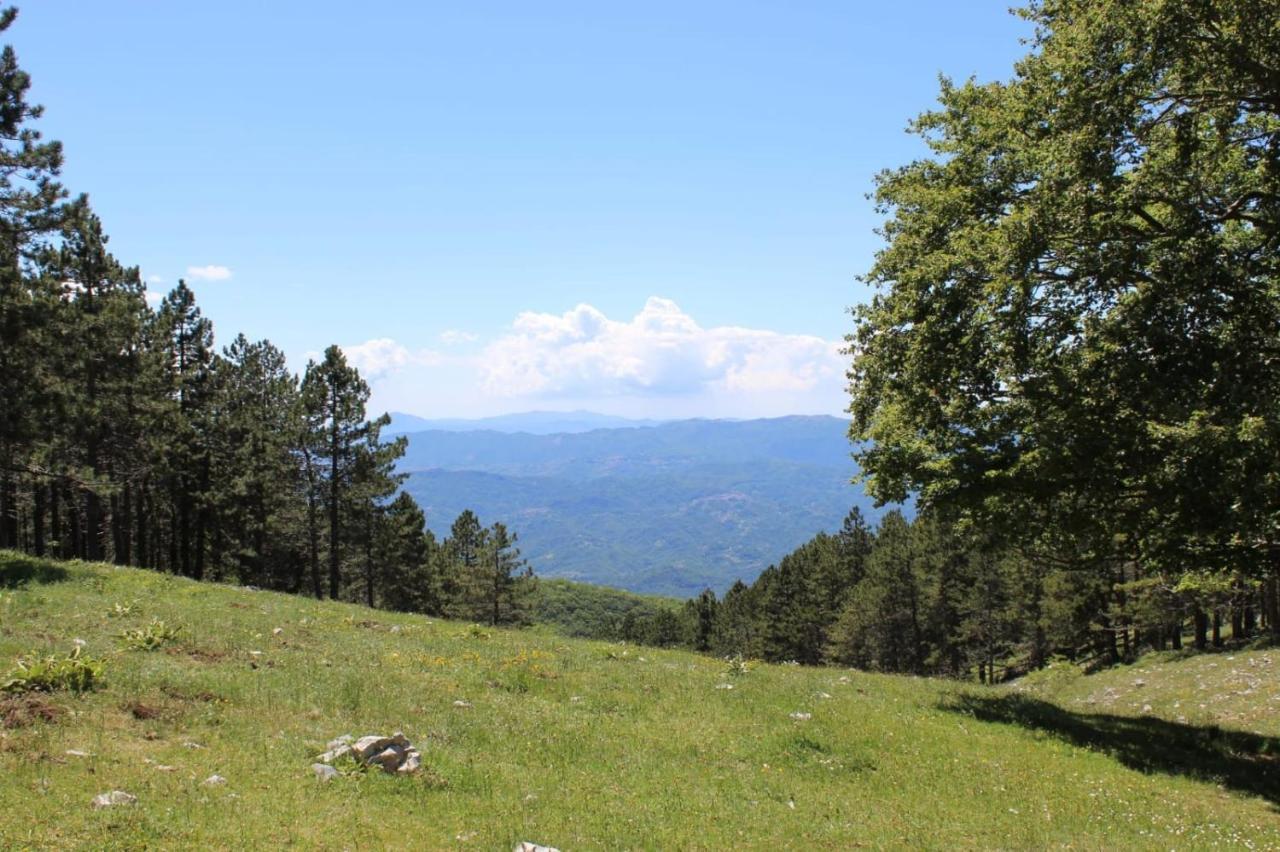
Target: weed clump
[155,635]
[74,672]
[737,666]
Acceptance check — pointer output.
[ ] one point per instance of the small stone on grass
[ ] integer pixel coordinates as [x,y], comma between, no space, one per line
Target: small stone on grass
[114,798]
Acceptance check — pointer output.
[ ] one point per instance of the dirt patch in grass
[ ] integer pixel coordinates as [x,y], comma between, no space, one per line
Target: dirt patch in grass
[141,711]
[201,695]
[19,711]
[200,655]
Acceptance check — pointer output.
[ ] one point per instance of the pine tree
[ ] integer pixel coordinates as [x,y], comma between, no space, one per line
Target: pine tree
[405,553]
[187,341]
[737,625]
[259,485]
[334,398]
[30,212]
[462,583]
[881,625]
[507,579]
[372,484]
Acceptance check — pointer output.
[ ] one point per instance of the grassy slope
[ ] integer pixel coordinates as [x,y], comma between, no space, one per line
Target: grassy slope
[1231,688]
[650,755]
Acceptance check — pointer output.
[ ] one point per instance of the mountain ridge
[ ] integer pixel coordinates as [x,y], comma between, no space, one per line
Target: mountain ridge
[669,509]
[530,422]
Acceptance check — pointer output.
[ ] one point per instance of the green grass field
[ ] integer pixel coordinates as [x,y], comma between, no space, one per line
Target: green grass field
[585,745]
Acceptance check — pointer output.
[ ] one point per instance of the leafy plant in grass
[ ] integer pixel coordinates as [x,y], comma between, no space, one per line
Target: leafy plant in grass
[738,666]
[74,672]
[120,610]
[155,635]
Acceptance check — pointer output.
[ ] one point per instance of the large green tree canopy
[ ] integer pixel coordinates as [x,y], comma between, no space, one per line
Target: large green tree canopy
[1076,330]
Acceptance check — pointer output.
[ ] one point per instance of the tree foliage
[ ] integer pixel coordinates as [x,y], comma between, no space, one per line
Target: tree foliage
[1075,345]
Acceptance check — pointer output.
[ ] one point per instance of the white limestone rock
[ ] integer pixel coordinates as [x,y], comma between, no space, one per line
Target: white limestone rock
[114,799]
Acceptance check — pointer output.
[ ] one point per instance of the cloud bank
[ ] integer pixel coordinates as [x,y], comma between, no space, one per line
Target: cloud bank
[660,362]
[378,358]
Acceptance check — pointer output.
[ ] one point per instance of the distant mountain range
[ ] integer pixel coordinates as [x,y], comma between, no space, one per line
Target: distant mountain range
[661,509]
[532,422]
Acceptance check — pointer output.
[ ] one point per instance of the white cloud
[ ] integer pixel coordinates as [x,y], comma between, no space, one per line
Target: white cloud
[660,362]
[454,337]
[378,358]
[153,298]
[212,272]
[154,279]
[662,351]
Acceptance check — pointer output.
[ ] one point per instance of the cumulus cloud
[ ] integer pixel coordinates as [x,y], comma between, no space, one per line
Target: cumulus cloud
[382,356]
[454,337]
[659,362]
[154,279]
[153,298]
[661,351]
[212,272]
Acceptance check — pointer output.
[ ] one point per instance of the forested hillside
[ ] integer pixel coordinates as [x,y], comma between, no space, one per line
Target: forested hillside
[671,509]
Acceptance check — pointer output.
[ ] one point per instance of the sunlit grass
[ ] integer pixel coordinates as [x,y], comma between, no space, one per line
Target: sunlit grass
[574,744]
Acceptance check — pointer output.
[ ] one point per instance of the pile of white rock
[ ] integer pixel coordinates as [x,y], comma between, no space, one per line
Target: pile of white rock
[393,754]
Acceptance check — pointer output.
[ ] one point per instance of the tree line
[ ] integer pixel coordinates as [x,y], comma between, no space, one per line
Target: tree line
[127,436]
[928,596]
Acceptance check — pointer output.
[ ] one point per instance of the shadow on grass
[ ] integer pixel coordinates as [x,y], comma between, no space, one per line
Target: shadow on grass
[17,571]
[1247,763]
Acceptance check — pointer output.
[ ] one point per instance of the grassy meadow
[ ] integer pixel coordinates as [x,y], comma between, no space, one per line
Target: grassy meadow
[587,745]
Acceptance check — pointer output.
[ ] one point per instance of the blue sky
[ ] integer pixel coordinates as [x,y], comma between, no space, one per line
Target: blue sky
[646,209]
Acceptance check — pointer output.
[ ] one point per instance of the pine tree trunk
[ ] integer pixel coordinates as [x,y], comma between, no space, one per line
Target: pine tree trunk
[202,519]
[124,540]
[175,539]
[368,560]
[497,587]
[182,534]
[55,516]
[313,535]
[1272,590]
[313,526]
[140,512]
[335,577]
[1217,628]
[8,512]
[37,517]
[1202,629]
[77,537]
[93,525]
